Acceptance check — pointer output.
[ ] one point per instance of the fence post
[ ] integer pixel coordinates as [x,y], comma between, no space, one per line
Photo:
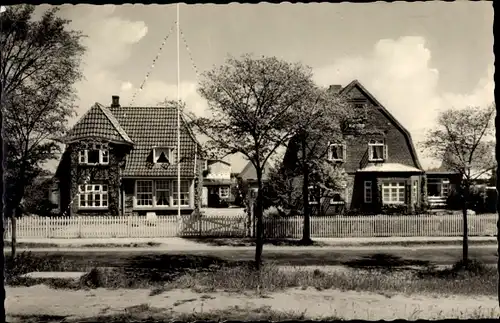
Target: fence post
[129,224]
[47,229]
[79,227]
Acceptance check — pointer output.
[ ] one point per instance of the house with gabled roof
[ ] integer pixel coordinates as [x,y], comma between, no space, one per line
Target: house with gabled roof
[217,183]
[123,161]
[382,165]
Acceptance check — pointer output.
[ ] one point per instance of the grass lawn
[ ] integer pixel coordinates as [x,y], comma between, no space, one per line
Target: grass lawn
[189,287]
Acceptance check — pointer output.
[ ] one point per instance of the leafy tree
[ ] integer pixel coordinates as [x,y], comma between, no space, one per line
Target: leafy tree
[36,199]
[463,140]
[319,125]
[251,101]
[39,64]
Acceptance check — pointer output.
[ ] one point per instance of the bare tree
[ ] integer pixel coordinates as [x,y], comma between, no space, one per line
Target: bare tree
[251,101]
[39,63]
[463,141]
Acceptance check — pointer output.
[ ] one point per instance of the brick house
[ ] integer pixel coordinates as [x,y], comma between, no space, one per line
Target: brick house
[122,161]
[382,166]
[217,181]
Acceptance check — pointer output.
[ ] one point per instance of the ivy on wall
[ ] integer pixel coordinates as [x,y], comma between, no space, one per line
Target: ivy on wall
[109,174]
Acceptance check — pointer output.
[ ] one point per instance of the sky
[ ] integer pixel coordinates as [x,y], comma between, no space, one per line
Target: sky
[416,58]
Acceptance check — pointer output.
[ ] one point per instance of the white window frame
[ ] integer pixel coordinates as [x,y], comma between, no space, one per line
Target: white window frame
[368,191]
[205,164]
[330,155]
[83,155]
[169,154]
[389,186]
[157,189]
[172,194]
[136,193]
[94,190]
[377,143]
[184,193]
[224,196]
[442,183]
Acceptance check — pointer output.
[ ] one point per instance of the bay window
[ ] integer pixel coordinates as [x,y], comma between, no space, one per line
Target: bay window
[93,196]
[393,192]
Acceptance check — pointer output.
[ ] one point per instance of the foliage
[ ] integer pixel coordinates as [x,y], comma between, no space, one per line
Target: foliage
[251,104]
[283,191]
[39,64]
[462,140]
[36,200]
[284,188]
[394,209]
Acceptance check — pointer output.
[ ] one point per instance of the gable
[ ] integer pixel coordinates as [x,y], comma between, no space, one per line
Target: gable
[98,123]
[249,173]
[379,118]
[152,127]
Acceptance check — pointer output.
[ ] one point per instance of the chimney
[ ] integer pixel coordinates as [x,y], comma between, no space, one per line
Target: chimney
[115,101]
[335,88]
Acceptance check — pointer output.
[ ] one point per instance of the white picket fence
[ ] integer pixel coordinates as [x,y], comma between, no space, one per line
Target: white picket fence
[383,226]
[321,227]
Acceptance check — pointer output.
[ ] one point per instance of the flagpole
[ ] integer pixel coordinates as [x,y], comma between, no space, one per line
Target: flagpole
[178,120]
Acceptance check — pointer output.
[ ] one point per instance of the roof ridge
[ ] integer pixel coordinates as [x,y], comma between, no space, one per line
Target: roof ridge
[115,123]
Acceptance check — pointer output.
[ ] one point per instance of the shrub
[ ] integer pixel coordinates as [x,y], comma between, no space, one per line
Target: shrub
[394,209]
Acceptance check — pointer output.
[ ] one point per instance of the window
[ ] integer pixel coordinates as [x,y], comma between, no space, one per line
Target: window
[205,164]
[163,155]
[438,187]
[377,151]
[94,154]
[144,193]
[224,191]
[415,190]
[336,152]
[313,195]
[184,193]
[368,191]
[393,193]
[93,196]
[162,193]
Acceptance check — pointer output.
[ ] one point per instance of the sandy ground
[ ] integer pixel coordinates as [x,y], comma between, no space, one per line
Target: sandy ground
[314,304]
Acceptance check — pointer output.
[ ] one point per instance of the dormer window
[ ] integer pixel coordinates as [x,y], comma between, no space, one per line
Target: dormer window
[163,155]
[336,152]
[94,154]
[377,150]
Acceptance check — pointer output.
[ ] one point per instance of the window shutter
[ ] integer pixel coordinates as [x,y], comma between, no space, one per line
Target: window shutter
[344,152]
[385,152]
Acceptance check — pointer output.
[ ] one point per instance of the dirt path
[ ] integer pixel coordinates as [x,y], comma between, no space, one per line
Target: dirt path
[38,300]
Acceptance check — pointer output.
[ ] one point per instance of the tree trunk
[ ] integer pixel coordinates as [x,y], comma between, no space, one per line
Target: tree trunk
[306,230]
[259,243]
[14,235]
[465,243]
